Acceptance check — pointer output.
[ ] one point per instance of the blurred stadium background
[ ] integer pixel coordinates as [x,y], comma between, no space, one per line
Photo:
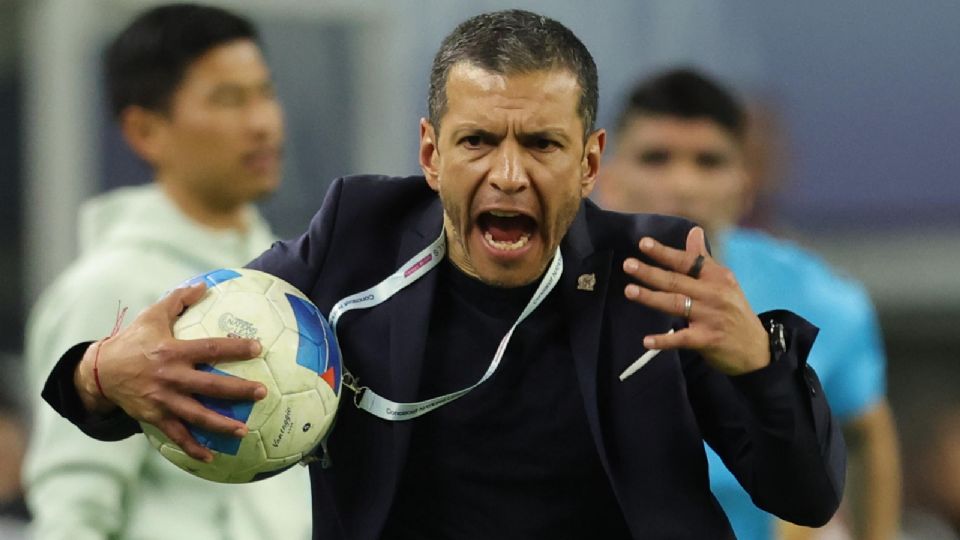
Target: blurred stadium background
[860,101]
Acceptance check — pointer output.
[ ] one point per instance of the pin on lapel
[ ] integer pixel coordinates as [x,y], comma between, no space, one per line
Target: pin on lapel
[586,282]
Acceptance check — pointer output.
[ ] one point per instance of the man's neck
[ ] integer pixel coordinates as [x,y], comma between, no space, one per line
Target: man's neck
[228,217]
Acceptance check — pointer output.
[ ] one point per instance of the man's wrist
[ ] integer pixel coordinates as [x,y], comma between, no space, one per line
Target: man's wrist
[85,382]
[758,355]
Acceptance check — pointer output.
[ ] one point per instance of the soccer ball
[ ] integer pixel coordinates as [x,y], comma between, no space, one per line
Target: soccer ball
[299,365]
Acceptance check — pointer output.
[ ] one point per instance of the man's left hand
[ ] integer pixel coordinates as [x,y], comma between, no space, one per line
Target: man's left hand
[721,325]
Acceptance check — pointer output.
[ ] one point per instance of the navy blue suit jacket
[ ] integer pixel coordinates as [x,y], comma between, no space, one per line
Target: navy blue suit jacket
[772,427]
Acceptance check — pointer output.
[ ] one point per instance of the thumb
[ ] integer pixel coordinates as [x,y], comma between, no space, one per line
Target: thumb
[179,299]
[697,241]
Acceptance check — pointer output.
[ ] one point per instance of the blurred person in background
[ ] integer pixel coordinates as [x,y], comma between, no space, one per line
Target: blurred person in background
[13,443]
[679,149]
[194,98]
[930,399]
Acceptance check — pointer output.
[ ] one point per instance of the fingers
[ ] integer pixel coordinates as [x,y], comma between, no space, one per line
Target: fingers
[678,260]
[194,413]
[177,300]
[179,435]
[666,302]
[221,386]
[659,279]
[697,241]
[212,350]
[680,339]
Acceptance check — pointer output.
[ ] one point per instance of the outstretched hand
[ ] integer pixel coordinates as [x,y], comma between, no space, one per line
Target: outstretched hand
[151,375]
[721,325]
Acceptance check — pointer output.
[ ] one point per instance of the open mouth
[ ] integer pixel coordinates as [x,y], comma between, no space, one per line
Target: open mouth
[506,231]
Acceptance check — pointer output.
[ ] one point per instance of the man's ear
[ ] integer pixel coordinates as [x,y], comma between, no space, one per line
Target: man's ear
[605,188]
[590,164]
[749,192]
[144,131]
[429,156]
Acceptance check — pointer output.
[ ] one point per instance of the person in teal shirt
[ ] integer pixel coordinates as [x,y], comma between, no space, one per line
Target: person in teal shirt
[679,149]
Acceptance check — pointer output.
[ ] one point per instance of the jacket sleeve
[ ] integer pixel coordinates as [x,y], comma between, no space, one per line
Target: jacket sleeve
[774,430]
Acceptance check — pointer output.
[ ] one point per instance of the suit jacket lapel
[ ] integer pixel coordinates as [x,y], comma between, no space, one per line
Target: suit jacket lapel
[585,269]
[409,323]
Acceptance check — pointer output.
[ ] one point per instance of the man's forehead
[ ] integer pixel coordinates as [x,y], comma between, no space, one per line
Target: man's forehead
[226,58]
[665,128]
[552,95]
[549,79]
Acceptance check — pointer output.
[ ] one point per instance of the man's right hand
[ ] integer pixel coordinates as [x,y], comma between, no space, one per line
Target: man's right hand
[151,375]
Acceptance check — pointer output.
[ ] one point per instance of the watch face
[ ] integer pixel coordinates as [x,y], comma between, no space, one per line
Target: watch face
[778,339]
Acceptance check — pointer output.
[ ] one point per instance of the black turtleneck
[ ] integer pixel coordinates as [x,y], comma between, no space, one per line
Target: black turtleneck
[514,458]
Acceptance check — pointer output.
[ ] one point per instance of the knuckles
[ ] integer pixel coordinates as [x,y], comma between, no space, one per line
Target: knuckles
[164,351]
[678,303]
[193,416]
[212,349]
[151,416]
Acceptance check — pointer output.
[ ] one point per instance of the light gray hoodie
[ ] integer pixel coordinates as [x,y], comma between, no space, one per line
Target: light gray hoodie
[135,245]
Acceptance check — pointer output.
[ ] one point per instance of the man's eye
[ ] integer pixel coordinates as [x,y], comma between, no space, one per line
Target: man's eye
[711,160]
[545,144]
[653,157]
[472,141]
[228,97]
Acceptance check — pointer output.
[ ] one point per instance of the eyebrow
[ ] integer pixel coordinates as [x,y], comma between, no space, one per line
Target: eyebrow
[473,131]
[556,134]
[489,136]
[232,86]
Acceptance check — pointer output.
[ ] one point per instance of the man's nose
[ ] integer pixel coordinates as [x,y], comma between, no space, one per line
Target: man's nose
[683,179]
[264,116]
[507,174]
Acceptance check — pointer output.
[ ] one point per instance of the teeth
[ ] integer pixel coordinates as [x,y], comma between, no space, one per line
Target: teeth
[501,213]
[507,246]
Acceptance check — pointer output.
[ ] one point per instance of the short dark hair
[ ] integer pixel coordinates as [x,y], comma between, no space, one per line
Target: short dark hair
[688,94]
[145,64]
[511,42]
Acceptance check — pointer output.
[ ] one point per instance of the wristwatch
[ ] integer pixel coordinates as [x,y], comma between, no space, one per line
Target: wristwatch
[777,337]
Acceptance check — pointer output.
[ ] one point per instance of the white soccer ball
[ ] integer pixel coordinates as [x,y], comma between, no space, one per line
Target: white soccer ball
[299,365]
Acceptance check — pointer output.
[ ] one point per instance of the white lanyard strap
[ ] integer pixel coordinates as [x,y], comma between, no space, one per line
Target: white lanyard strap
[412,270]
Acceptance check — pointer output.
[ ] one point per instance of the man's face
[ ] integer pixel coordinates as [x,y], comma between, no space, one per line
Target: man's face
[686,167]
[511,167]
[221,140]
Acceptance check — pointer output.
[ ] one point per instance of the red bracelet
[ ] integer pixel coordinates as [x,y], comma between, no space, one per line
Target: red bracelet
[96,370]
[96,359]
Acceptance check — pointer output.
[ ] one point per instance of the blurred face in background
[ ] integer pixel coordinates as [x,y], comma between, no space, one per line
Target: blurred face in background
[668,165]
[12,447]
[221,140]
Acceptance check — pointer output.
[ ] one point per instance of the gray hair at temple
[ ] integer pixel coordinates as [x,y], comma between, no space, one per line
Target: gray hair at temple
[514,42]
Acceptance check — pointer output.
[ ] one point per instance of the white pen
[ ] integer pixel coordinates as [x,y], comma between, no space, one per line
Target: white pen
[642,361]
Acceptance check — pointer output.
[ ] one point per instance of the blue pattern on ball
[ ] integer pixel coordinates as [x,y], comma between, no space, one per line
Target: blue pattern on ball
[237,410]
[310,352]
[213,277]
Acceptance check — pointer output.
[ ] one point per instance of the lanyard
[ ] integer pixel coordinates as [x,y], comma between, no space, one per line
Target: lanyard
[412,270]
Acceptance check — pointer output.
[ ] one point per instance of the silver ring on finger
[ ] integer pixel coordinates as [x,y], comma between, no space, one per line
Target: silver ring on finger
[687,306]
